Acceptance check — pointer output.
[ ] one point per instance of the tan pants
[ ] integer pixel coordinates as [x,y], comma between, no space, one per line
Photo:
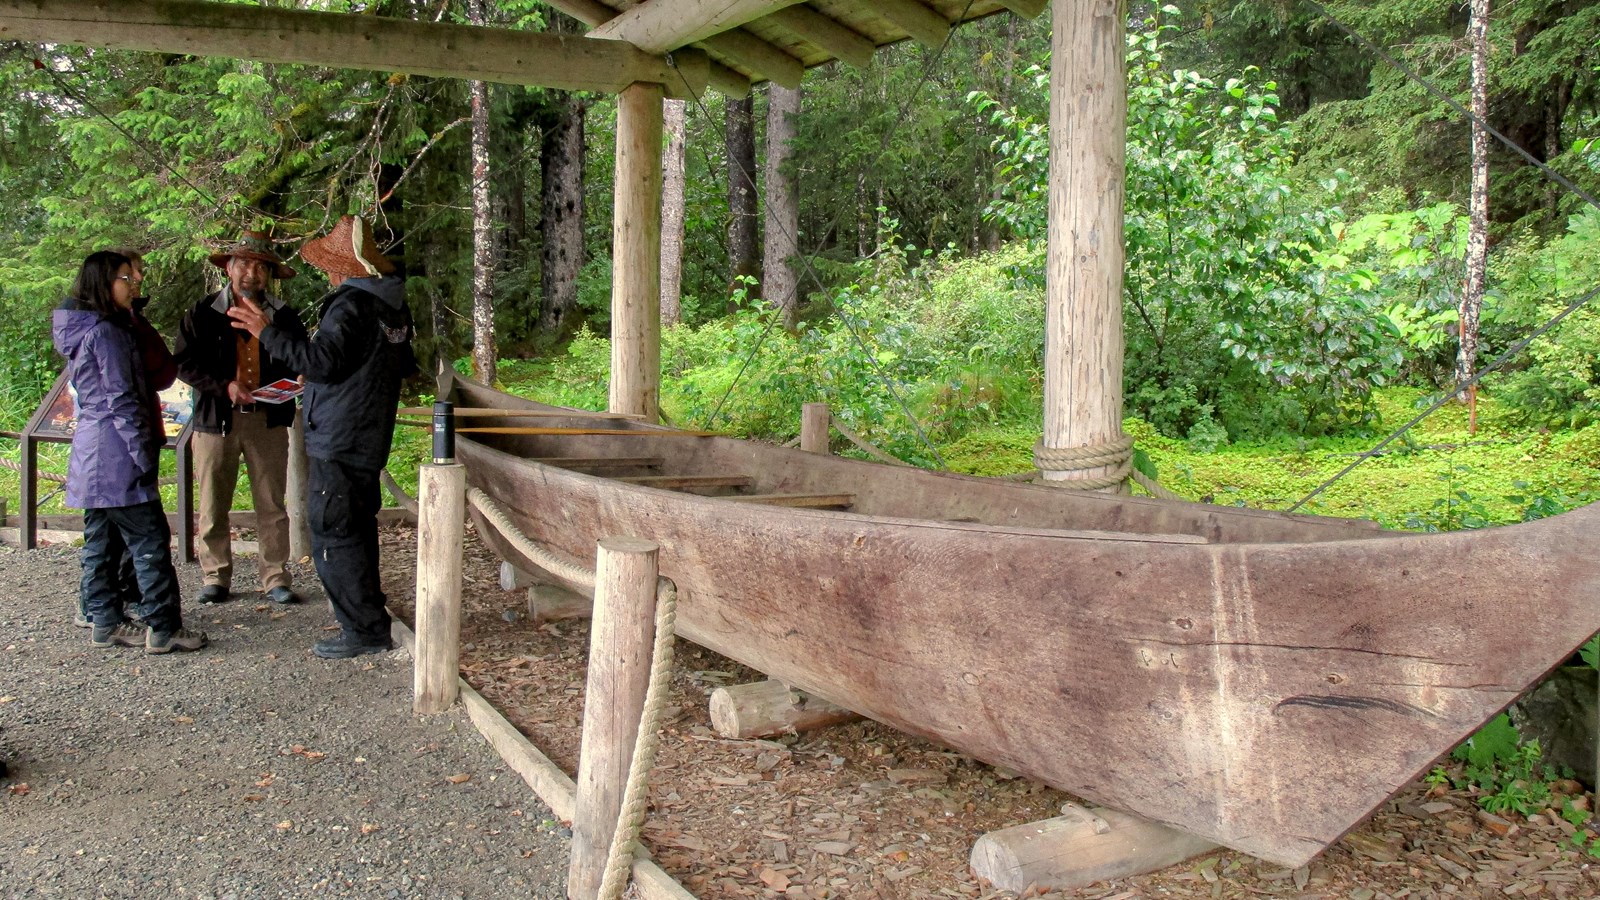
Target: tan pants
[216,466]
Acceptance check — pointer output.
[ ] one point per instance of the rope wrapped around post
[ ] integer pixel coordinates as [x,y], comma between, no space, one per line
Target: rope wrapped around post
[625,839]
[1116,454]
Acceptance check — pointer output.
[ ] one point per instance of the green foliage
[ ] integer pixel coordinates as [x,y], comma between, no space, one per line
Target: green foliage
[1506,774]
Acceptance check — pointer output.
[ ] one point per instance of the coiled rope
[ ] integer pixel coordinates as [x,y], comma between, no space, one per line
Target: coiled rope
[625,839]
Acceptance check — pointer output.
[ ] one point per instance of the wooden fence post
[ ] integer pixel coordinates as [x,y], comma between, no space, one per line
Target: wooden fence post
[295,502]
[814,425]
[441,530]
[620,642]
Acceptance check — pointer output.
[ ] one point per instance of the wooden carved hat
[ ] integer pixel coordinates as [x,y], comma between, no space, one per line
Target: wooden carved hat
[347,250]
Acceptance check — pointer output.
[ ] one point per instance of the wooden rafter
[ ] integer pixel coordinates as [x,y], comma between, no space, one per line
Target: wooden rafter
[925,25]
[659,25]
[749,51]
[816,28]
[338,40]
[1028,9]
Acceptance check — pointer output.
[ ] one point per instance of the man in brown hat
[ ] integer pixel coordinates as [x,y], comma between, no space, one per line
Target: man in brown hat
[224,366]
[353,369]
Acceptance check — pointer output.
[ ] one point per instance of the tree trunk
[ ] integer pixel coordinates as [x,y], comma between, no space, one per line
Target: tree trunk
[782,247]
[483,350]
[672,185]
[743,229]
[561,165]
[1478,213]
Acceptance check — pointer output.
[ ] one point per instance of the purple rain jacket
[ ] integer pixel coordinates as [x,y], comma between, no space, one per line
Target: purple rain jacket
[116,447]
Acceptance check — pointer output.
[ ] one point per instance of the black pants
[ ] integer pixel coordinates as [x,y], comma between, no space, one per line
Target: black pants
[141,532]
[124,584]
[343,510]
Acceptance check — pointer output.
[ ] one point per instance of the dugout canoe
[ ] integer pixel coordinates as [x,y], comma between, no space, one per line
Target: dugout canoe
[1261,679]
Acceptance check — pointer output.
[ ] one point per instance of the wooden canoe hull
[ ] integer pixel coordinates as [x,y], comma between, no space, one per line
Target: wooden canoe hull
[1265,695]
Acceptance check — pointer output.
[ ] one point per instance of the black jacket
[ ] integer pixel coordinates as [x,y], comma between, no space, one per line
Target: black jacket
[353,367]
[208,358]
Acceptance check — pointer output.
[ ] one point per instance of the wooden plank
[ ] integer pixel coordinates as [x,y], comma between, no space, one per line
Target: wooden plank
[523,413]
[808,501]
[680,482]
[923,23]
[343,41]
[728,81]
[750,52]
[814,27]
[656,26]
[512,429]
[600,462]
[442,500]
[1028,9]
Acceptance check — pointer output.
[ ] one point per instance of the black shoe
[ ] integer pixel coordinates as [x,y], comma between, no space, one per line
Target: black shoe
[282,596]
[212,594]
[345,646]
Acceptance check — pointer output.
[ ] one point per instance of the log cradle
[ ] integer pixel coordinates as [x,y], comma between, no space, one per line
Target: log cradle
[1204,667]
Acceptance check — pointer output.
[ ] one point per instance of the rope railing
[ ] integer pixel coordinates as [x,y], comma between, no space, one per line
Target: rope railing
[635,797]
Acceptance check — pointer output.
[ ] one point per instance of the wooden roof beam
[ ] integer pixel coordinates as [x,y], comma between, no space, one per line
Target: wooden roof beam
[816,28]
[659,25]
[923,23]
[1028,9]
[343,41]
[765,59]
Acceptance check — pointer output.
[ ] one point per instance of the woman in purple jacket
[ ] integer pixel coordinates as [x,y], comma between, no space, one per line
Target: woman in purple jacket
[115,462]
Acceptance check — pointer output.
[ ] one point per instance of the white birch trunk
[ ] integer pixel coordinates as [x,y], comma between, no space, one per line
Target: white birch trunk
[1478,212]
[672,199]
[483,349]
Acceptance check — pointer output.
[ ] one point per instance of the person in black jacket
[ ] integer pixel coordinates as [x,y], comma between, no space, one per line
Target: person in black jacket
[224,366]
[353,367]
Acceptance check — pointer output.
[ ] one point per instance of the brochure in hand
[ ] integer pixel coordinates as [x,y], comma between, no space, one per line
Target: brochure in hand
[280,391]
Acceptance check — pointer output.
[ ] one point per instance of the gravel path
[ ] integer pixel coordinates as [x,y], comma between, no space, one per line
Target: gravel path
[249,769]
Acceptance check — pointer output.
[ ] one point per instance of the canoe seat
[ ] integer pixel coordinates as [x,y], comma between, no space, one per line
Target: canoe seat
[686,482]
[805,501]
[602,462]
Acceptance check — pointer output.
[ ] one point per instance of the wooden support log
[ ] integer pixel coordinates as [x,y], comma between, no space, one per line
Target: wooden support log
[814,422]
[442,501]
[515,579]
[297,494]
[554,603]
[768,708]
[1079,848]
[620,642]
[636,255]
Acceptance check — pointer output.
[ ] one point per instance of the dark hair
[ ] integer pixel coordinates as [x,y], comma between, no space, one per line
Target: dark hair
[95,279]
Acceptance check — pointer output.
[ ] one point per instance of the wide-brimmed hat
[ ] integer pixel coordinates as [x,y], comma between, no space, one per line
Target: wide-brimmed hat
[253,245]
[347,250]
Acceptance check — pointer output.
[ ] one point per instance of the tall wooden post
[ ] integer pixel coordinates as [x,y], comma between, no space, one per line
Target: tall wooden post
[816,423]
[1083,278]
[441,527]
[295,502]
[30,490]
[620,641]
[636,254]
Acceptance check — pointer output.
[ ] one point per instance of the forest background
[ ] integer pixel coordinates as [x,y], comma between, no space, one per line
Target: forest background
[1296,227]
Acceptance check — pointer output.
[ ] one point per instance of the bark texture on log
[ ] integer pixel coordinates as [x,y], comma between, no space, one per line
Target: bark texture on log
[673,114]
[780,284]
[744,229]
[561,200]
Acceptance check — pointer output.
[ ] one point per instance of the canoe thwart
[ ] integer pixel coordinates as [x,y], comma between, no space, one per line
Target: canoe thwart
[802,501]
[681,482]
[600,462]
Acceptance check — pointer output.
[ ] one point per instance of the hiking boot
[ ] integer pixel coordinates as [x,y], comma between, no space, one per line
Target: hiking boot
[125,634]
[346,646]
[212,594]
[168,641]
[81,621]
[282,596]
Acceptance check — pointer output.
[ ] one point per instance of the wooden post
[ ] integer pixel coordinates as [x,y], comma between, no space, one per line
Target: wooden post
[442,507]
[185,529]
[636,255]
[30,492]
[815,426]
[295,502]
[767,708]
[620,641]
[1083,274]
